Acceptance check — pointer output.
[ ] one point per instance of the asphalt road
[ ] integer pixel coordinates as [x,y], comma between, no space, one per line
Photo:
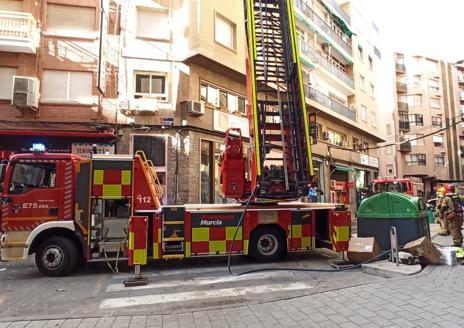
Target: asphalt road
[174,287]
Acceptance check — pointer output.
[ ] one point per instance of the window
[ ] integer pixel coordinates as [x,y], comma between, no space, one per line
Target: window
[439,161]
[300,33]
[70,20]
[365,147]
[374,119]
[436,122]
[388,150]
[360,52]
[415,159]
[363,113]
[389,169]
[224,32]
[389,129]
[437,140]
[153,24]
[412,100]
[435,103]
[27,176]
[150,85]
[412,81]
[6,81]
[371,63]
[415,139]
[371,90]
[64,86]
[433,85]
[362,82]
[355,144]
[336,138]
[416,120]
[221,98]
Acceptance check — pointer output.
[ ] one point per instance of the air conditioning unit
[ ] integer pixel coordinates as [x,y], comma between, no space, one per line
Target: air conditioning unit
[25,92]
[144,105]
[194,108]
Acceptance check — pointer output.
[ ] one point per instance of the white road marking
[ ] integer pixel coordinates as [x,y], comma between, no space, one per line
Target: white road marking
[111,303]
[200,281]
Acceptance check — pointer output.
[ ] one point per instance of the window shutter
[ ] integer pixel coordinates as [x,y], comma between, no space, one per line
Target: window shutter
[6,81]
[11,5]
[80,87]
[153,24]
[70,19]
[55,85]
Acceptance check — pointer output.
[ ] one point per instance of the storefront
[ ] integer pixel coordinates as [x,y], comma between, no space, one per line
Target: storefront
[340,184]
[80,143]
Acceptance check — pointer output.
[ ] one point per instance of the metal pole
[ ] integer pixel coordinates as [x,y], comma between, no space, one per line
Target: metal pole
[394,245]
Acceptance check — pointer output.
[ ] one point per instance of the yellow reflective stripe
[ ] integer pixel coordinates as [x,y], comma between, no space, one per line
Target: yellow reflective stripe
[343,233]
[188,249]
[217,246]
[200,234]
[112,190]
[140,256]
[230,232]
[306,242]
[296,231]
[245,247]
[97,177]
[125,177]
[131,240]
[155,251]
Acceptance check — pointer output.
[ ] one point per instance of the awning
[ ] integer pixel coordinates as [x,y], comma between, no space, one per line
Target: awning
[344,168]
[68,134]
[339,20]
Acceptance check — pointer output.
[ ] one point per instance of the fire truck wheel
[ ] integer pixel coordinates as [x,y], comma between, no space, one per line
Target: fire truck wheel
[56,256]
[267,244]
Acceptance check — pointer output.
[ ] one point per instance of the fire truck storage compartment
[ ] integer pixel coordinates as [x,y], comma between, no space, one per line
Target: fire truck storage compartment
[322,228]
[110,219]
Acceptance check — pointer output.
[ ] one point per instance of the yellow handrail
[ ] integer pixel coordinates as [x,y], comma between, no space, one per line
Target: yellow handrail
[150,168]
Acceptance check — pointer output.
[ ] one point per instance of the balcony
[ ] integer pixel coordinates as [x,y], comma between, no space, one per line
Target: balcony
[18,32]
[461,151]
[402,106]
[309,13]
[318,58]
[461,96]
[404,126]
[400,68]
[461,79]
[328,102]
[405,147]
[401,87]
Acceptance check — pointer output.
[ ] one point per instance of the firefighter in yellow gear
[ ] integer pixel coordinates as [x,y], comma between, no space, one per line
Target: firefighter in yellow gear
[452,216]
[444,230]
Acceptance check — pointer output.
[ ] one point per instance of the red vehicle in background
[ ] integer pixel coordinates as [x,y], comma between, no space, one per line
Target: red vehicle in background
[402,185]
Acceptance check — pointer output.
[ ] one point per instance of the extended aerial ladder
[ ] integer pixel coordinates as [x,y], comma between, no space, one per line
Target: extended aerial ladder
[281,158]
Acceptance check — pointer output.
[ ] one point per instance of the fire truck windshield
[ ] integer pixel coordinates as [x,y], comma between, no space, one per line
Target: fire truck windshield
[390,186]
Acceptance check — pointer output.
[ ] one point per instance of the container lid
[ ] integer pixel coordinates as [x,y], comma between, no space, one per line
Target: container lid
[392,205]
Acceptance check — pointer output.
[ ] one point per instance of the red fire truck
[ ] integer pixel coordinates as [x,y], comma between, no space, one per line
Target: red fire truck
[68,210]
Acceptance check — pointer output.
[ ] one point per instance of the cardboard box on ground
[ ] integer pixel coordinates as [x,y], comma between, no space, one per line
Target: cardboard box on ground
[424,248]
[362,249]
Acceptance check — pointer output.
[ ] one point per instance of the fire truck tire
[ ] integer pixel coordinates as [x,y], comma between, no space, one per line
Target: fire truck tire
[56,256]
[267,244]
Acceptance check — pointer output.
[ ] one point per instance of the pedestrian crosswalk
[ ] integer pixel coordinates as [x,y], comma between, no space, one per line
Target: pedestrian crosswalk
[210,286]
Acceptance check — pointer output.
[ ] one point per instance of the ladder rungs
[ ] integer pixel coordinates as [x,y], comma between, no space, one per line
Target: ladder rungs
[173,222]
[174,239]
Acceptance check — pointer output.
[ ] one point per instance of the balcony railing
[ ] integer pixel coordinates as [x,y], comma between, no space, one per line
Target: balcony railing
[308,12]
[318,58]
[402,106]
[404,125]
[400,67]
[401,87]
[18,32]
[328,102]
[405,147]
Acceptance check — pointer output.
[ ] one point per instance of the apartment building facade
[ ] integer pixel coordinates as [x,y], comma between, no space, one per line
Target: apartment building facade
[175,81]
[425,104]
[52,47]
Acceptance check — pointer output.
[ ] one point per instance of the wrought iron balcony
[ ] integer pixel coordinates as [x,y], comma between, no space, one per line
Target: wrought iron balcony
[318,58]
[404,126]
[330,103]
[18,32]
[405,147]
[401,87]
[403,106]
[309,13]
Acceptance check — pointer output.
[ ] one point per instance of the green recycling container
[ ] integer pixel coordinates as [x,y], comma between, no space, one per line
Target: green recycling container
[376,214]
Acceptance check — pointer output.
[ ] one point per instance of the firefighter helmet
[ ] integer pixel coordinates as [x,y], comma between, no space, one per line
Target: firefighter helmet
[450,189]
[441,191]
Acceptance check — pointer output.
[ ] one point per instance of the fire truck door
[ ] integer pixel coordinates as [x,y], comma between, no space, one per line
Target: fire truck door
[33,196]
